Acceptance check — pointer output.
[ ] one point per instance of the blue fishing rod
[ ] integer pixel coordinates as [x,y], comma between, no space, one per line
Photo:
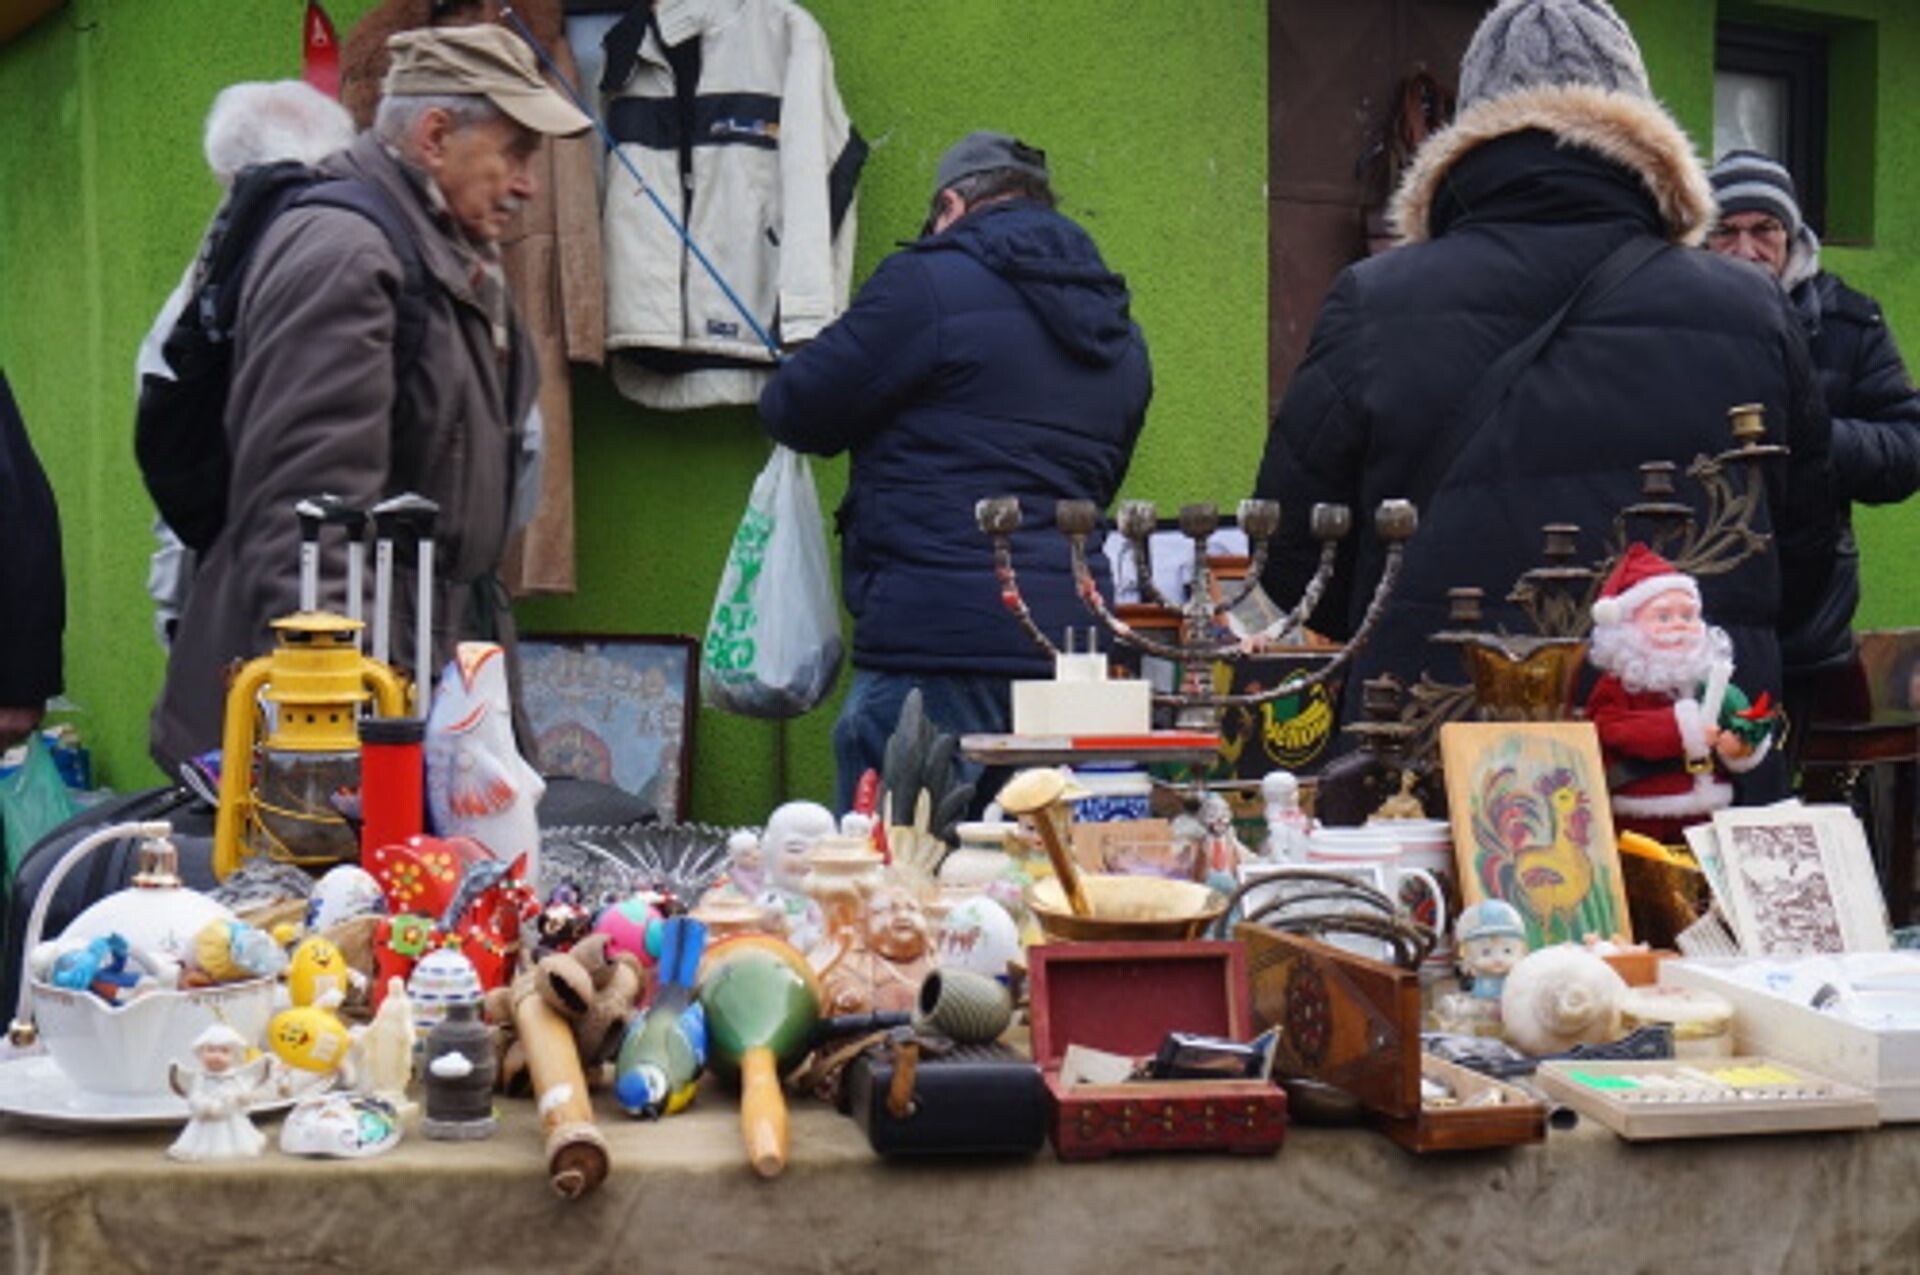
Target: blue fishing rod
[613,149]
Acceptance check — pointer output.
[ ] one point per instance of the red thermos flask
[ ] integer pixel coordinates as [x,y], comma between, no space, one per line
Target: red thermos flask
[393,800]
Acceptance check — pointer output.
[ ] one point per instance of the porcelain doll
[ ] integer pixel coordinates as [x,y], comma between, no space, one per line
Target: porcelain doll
[1224,850]
[219,1086]
[1492,939]
[478,784]
[1288,826]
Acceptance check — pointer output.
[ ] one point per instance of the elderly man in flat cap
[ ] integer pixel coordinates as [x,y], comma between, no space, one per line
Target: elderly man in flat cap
[320,403]
[993,356]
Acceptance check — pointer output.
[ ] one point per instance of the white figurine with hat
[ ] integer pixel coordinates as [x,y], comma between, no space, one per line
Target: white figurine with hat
[1492,937]
[1669,717]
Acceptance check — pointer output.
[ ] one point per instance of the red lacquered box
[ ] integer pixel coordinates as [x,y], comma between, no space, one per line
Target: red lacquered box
[1124,998]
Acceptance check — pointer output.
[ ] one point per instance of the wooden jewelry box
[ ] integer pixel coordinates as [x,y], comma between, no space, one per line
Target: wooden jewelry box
[1354,1023]
[1124,998]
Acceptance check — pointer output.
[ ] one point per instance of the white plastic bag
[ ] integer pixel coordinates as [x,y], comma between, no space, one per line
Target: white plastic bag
[773,643]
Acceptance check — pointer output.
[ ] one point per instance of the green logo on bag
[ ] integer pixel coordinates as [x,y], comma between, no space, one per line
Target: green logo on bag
[728,653]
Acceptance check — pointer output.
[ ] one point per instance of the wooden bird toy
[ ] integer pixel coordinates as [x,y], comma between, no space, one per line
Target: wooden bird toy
[666,1044]
[761,1001]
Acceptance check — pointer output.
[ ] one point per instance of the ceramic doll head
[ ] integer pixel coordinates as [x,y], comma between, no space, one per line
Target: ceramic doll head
[1280,788]
[896,926]
[791,831]
[219,1049]
[1492,938]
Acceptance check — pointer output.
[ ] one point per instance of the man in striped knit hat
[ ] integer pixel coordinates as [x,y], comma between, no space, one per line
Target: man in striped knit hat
[1868,393]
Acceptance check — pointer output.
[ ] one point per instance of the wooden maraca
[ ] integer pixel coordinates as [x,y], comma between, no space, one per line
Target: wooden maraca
[761,1001]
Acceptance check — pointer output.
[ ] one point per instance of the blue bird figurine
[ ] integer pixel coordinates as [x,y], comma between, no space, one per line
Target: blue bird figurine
[665,1048]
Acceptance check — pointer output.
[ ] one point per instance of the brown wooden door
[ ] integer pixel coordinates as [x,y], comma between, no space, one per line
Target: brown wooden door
[1335,72]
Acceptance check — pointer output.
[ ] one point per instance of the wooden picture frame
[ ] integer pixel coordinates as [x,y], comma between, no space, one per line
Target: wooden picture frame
[616,708]
[1532,825]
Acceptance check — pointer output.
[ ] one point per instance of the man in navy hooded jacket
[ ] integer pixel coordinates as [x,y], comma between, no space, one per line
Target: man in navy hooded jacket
[993,356]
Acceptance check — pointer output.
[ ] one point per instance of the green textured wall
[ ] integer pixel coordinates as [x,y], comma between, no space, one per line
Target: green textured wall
[1876,42]
[1155,124]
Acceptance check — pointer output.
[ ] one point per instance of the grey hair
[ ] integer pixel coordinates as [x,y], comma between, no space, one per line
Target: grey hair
[395,119]
[989,185]
[260,121]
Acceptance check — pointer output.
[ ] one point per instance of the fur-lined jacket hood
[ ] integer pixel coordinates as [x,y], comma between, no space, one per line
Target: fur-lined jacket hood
[1628,130]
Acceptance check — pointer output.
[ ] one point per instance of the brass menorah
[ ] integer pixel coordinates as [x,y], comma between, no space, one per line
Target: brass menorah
[1202,615]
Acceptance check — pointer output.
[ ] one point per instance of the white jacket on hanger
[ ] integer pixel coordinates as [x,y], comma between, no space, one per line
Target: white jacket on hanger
[769,199]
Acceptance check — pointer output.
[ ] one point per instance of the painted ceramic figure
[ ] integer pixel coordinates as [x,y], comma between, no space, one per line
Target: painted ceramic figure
[882,971]
[1671,723]
[219,1087]
[746,868]
[1224,850]
[478,784]
[1492,938]
[385,1048]
[1288,826]
[791,832]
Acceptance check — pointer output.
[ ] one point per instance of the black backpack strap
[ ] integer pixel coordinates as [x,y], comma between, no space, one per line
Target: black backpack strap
[1485,401]
[410,317]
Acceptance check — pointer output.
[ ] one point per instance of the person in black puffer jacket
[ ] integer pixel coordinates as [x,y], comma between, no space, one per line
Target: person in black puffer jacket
[1558,157]
[993,356]
[1863,382]
[33,594]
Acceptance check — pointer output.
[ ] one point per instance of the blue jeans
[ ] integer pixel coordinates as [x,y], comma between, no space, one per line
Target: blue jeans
[955,703]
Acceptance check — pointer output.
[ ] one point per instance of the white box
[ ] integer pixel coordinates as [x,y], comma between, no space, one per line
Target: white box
[1887,1062]
[1118,707]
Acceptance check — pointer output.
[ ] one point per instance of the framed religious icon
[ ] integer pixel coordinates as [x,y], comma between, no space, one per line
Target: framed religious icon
[1532,825]
[615,708]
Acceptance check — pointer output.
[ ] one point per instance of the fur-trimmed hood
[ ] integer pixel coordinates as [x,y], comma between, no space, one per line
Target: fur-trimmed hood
[1627,129]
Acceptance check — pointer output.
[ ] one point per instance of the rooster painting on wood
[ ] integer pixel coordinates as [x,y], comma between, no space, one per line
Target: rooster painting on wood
[1532,826]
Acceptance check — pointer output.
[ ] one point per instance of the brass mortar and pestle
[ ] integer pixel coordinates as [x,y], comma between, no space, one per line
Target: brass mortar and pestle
[1078,906]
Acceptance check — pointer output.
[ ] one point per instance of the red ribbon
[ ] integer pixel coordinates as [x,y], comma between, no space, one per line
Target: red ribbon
[320,52]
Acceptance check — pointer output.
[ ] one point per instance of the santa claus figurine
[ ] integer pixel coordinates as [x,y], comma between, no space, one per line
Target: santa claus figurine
[1669,717]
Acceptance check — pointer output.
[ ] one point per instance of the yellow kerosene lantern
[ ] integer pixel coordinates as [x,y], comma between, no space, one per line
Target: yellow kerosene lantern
[278,801]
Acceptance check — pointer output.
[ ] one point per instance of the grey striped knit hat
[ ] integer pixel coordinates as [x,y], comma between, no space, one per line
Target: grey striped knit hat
[1747,181]
[1527,44]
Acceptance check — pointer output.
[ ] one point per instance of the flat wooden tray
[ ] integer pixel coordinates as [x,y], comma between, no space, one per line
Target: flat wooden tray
[1638,1100]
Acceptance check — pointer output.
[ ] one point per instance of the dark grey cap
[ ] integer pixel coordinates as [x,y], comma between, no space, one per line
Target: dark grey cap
[985,152]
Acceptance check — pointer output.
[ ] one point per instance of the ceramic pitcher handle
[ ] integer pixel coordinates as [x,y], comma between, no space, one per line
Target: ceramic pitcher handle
[1439,896]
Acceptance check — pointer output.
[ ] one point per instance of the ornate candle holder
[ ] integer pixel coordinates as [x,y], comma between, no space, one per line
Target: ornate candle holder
[1531,677]
[1202,615]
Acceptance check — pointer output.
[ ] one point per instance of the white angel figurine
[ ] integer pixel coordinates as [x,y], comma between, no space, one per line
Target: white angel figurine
[219,1088]
[478,784]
